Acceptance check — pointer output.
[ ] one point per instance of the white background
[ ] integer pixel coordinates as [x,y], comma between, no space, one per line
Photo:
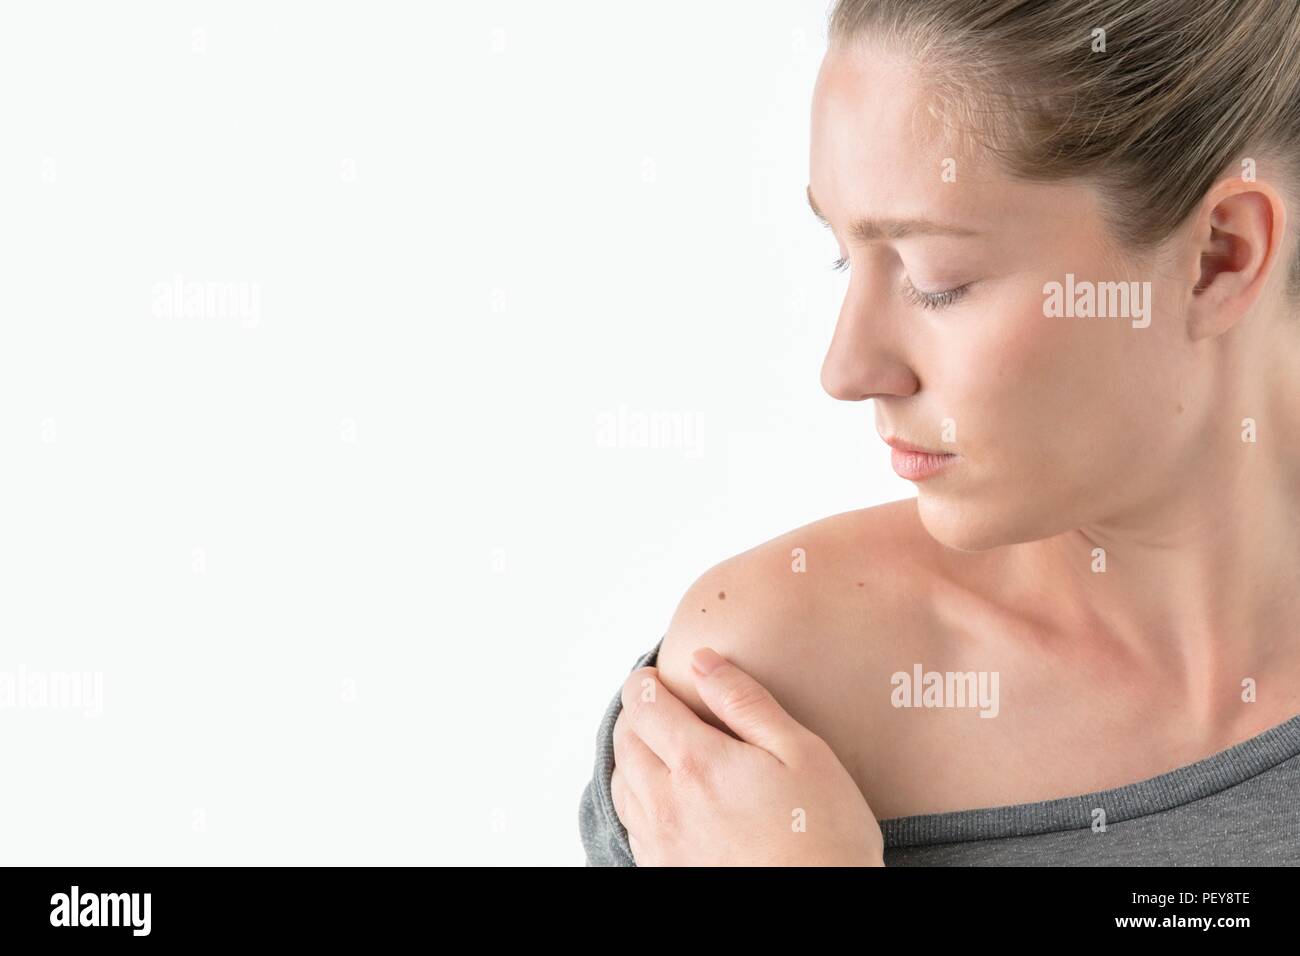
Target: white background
[361,572]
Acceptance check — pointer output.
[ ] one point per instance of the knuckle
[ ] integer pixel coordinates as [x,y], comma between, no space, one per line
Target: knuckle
[691,769]
[696,775]
[662,814]
[740,698]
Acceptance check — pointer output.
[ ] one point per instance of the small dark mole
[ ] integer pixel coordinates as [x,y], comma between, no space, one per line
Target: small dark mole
[859,584]
[704,611]
[722,595]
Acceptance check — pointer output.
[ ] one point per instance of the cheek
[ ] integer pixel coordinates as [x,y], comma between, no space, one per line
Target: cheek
[1059,398]
[1007,374]
[1065,396]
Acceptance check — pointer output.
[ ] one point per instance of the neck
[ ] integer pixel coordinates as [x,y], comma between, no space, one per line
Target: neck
[1202,578]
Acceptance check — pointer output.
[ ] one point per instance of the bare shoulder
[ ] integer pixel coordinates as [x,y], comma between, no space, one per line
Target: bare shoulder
[807,613]
[836,616]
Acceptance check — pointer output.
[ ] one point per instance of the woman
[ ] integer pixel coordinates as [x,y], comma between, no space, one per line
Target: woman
[1073,297]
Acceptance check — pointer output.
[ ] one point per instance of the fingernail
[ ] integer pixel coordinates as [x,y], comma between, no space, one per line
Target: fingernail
[705,660]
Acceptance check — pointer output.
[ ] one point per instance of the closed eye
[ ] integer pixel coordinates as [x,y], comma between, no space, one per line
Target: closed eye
[933,300]
[926,300]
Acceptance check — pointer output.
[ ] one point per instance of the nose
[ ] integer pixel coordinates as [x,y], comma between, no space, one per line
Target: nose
[864,360]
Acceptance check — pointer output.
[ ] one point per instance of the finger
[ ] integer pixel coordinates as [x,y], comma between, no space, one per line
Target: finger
[663,722]
[639,774]
[627,807]
[745,705]
[641,764]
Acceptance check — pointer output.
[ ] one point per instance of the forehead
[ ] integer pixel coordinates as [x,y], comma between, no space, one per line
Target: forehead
[877,148]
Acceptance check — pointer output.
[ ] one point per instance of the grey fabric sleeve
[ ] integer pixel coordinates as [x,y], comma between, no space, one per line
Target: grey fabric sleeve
[604,838]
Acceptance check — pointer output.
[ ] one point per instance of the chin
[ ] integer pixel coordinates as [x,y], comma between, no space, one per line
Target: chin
[964,525]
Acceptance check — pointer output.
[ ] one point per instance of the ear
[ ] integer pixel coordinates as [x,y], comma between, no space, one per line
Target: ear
[1236,242]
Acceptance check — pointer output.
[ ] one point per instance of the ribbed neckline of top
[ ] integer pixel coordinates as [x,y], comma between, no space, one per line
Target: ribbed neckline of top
[1157,794]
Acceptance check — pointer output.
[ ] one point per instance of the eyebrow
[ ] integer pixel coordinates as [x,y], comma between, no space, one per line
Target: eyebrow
[872,230]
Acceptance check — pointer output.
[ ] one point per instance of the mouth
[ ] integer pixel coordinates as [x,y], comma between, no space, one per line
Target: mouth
[915,463]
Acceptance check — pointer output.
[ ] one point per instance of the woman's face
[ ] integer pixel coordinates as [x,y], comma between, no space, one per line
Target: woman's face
[1057,421]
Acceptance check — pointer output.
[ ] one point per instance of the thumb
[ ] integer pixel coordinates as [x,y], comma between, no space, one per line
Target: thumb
[743,704]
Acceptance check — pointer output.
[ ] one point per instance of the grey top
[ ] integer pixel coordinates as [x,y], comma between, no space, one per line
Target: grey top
[1239,807]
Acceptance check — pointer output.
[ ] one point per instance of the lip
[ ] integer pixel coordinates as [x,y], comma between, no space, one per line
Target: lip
[915,463]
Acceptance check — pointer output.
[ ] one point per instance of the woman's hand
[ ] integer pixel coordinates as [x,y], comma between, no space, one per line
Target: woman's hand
[690,795]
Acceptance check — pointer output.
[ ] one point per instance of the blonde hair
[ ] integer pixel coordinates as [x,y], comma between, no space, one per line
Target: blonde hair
[1154,110]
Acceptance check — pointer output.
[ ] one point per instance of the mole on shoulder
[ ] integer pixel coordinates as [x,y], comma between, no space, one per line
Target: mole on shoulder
[722,595]
[704,610]
[859,584]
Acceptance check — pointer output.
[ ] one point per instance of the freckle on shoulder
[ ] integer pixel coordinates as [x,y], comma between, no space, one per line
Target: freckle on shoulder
[775,609]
